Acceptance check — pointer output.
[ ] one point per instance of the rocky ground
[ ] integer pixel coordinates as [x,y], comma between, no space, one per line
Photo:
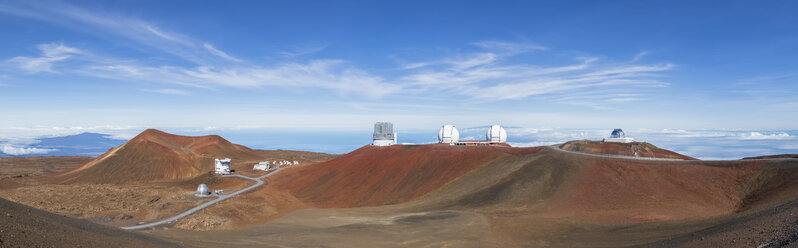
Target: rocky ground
[22,226]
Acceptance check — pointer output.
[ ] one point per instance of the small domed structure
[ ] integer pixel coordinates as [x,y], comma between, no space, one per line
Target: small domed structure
[202,190]
[618,136]
[496,134]
[448,134]
[617,133]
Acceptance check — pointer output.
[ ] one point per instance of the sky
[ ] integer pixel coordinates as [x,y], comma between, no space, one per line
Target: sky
[331,69]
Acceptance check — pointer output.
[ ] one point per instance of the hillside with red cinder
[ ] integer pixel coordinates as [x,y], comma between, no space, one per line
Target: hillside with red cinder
[372,175]
[634,149]
[156,156]
[541,180]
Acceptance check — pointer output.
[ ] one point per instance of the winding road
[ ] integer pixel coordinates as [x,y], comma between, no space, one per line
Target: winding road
[258,182]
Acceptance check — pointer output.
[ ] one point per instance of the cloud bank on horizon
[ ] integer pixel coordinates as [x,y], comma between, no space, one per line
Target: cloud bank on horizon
[334,67]
[702,144]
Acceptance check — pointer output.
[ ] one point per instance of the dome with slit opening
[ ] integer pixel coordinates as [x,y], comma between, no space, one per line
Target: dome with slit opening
[617,133]
[448,134]
[497,134]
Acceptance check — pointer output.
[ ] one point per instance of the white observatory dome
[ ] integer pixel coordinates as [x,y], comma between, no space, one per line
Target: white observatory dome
[203,190]
[448,134]
[496,133]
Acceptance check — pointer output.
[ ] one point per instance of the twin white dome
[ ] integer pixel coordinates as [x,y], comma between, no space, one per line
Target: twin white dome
[496,133]
[449,134]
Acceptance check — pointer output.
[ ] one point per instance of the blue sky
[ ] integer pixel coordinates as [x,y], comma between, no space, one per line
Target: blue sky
[118,67]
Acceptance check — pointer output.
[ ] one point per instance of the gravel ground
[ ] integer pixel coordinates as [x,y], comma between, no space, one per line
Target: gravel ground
[23,226]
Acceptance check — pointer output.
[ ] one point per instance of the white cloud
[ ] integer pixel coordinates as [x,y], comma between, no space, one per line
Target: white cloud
[20,136]
[18,151]
[639,56]
[760,136]
[168,91]
[221,54]
[485,76]
[51,53]
[302,51]
[510,48]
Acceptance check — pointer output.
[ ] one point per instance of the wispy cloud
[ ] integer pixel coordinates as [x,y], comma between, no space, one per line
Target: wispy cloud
[50,53]
[509,48]
[221,54]
[493,73]
[639,56]
[168,91]
[302,51]
[109,23]
[485,75]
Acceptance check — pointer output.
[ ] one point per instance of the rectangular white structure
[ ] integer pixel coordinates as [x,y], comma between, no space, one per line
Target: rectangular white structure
[262,166]
[383,134]
[619,140]
[223,166]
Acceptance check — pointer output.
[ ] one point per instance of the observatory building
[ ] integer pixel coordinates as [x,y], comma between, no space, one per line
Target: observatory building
[448,134]
[383,134]
[223,166]
[202,190]
[618,136]
[262,166]
[496,134]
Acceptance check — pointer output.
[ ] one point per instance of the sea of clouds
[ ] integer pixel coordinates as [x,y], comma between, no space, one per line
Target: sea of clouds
[703,144]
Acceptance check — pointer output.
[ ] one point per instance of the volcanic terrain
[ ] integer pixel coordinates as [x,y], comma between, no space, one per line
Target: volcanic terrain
[23,226]
[156,156]
[439,195]
[634,149]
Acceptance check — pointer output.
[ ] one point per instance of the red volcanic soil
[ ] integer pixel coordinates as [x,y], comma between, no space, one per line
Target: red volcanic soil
[372,176]
[557,184]
[634,149]
[774,156]
[156,156]
[23,226]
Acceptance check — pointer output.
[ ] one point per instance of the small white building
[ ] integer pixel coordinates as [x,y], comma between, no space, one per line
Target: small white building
[618,136]
[262,166]
[448,134]
[296,162]
[223,166]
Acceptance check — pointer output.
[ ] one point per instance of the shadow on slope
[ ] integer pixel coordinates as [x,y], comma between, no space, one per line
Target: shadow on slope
[23,226]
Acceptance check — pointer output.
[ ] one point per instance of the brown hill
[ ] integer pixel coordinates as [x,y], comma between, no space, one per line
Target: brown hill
[156,156]
[23,226]
[513,197]
[634,149]
[774,156]
[372,176]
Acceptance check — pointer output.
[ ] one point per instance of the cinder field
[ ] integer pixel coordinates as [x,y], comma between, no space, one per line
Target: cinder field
[424,196]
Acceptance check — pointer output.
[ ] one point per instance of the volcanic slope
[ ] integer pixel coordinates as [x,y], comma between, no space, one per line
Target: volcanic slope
[156,156]
[373,176]
[23,226]
[634,149]
[510,197]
